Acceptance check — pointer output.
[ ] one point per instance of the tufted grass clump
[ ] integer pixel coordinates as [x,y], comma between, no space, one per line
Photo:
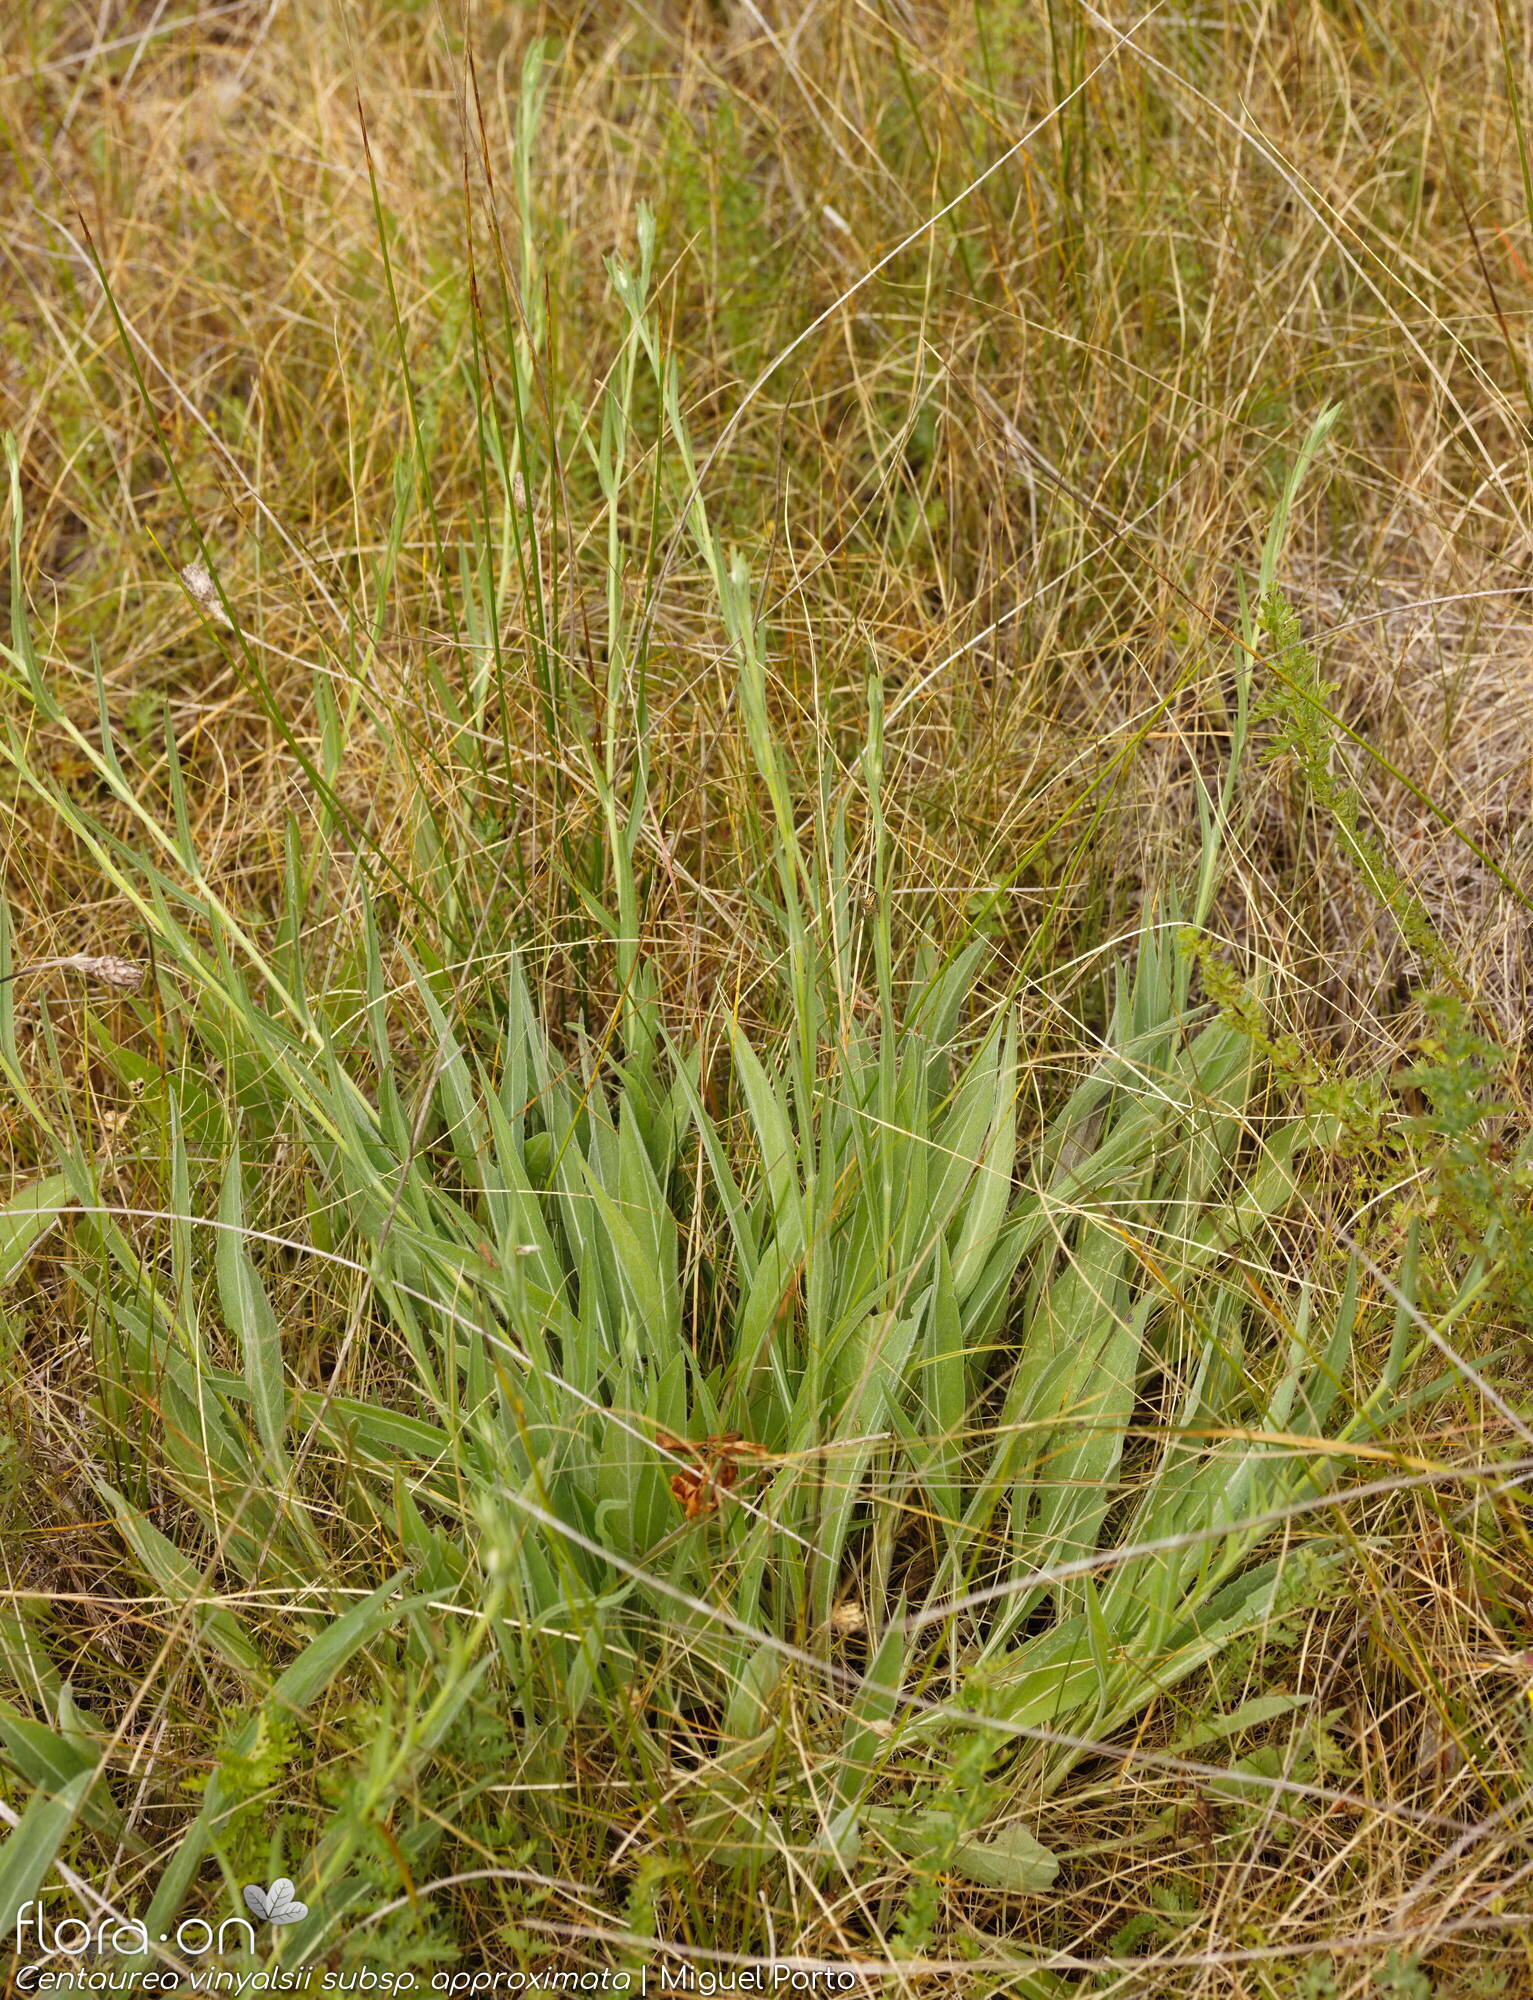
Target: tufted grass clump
[735,742]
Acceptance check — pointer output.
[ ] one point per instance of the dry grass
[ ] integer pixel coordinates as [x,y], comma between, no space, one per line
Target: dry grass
[1002,423]
[1038,446]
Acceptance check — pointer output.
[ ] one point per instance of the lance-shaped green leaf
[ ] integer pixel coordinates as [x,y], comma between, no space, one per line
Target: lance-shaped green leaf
[251,1319]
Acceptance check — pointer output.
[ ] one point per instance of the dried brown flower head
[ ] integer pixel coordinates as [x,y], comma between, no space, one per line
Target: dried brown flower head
[205,593]
[127,974]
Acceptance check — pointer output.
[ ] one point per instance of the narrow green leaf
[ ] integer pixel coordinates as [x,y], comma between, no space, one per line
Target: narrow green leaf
[183,1583]
[49,1761]
[31,1845]
[251,1319]
[26,1219]
[323,1658]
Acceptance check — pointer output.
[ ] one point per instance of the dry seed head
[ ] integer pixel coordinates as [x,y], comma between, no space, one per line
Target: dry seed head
[205,592]
[127,974]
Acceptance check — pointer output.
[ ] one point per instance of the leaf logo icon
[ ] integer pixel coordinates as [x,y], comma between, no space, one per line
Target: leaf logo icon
[276,1905]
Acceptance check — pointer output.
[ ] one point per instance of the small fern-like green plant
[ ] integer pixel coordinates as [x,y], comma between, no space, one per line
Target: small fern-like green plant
[1300,704]
[1482,1196]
